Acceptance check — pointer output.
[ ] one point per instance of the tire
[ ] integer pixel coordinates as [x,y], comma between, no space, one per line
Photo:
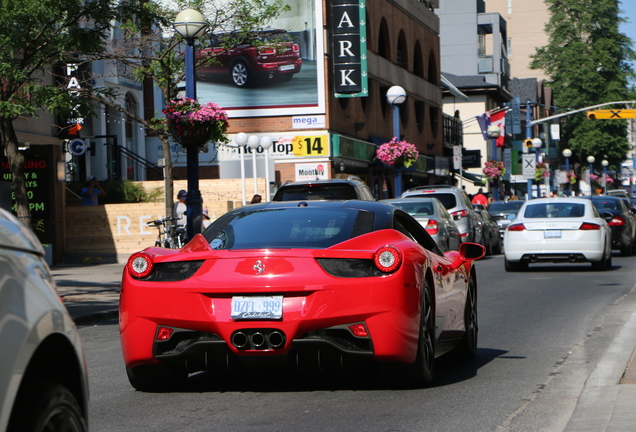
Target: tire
[512,266]
[468,346]
[488,246]
[155,378]
[604,264]
[421,372]
[47,406]
[628,249]
[498,246]
[240,74]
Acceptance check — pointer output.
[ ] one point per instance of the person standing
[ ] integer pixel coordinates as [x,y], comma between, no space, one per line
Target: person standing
[180,208]
[91,192]
[480,198]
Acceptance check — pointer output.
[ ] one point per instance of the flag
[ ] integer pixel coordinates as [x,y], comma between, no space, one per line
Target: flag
[484,122]
[499,119]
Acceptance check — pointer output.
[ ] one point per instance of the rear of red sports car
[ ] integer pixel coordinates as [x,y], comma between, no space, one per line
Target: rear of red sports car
[249,290]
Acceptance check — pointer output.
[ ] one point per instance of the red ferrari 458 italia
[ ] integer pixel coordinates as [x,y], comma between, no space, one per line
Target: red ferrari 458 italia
[304,283]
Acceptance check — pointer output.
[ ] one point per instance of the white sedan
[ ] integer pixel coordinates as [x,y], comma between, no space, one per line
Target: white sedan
[558,230]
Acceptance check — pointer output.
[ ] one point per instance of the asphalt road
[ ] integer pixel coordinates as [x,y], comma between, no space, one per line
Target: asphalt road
[542,333]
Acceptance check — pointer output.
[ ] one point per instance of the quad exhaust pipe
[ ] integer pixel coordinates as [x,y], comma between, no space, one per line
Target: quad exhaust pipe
[262,339]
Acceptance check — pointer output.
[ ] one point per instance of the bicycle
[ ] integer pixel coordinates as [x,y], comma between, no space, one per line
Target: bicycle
[170,236]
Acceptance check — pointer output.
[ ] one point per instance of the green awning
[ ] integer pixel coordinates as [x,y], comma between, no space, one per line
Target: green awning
[476,179]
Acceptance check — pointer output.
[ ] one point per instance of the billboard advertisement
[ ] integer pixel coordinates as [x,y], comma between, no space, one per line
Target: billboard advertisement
[285,77]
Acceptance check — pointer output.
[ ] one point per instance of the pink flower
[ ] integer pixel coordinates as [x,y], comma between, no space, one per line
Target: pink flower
[389,153]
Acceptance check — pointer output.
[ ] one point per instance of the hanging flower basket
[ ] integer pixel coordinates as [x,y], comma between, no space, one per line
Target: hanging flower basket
[541,171]
[493,170]
[570,177]
[599,179]
[193,124]
[397,153]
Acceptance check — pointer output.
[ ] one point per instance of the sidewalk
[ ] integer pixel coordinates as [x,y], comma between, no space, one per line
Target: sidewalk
[90,292]
[606,404]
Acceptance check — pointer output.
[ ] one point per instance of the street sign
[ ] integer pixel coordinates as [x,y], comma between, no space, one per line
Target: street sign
[611,114]
[529,166]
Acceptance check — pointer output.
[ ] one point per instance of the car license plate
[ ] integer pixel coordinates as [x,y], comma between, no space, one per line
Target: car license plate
[286,67]
[552,234]
[257,308]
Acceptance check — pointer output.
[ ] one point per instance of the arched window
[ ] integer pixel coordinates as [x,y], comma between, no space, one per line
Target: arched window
[402,57]
[384,41]
[433,71]
[418,61]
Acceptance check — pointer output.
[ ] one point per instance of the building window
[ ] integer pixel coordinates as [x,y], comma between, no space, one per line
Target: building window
[418,61]
[509,47]
[402,54]
[384,42]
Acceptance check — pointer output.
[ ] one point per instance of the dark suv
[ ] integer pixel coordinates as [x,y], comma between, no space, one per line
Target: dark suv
[333,189]
[275,57]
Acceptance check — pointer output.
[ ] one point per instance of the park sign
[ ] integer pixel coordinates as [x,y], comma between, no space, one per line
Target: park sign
[611,114]
[349,42]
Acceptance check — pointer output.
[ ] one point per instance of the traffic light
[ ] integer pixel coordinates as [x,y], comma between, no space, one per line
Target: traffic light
[611,114]
[528,143]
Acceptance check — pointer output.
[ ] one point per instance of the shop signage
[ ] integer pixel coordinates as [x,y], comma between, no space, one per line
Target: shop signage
[349,48]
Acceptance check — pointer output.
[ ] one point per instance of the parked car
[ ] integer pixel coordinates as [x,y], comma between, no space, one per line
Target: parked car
[490,231]
[432,215]
[43,382]
[332,189]
[558,230]
[274,56]
[458,205]
[321,285]
[503,212]
[621,222]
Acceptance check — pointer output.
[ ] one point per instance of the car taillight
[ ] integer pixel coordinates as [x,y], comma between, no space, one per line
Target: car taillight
[432,227]
[266,51]
[586,226]
[140,264]
[387,259]
[460,213]
[164,333]
[616,221]
[516,227]
[359,330]
[295,48]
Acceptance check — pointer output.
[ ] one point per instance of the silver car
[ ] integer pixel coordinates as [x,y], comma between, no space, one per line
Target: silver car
[43,382]
[458,205]
[432,215]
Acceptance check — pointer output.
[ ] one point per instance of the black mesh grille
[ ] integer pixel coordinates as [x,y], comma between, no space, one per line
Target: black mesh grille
[173,271]
[349,268]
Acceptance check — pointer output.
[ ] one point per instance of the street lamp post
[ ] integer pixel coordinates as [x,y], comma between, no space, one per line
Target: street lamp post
[590,160]
[605,163]
[567,153]
[267,143]
[253,142]
[536,144]
[494,132]
[190,24]
[241,141]
[396,96]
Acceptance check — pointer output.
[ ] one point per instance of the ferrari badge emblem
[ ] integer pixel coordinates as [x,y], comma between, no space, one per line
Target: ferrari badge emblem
[259,267]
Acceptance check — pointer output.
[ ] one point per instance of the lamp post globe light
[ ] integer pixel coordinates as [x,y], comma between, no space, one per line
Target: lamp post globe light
[590,160]
[190,24]
[605,163]
[567,153]
[537,144]
[396,96]
[494,132]
[253,142]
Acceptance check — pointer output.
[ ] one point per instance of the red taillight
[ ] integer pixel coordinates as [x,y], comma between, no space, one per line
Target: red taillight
[140,264]
[460,213]
[295,48]
[516,227]
[464,235]
[586,226]
[359,330]
[432,227]
[387,258]
[266,51]
[616,221]
[164,333]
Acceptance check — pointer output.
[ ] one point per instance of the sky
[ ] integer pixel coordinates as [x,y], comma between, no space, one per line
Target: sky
[629,28]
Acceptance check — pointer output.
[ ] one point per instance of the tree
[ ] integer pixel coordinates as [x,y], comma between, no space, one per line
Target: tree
[153,51]
[36,36]
[586,61]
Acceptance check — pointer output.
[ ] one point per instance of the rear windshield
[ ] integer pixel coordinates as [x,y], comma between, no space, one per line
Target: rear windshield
[554,210]
[448,200]
[316,192]
[504,207]
[416,209]
[303,227]
[606,204]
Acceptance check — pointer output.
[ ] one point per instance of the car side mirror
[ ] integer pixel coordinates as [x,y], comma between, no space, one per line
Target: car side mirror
[607,216]
[471,251]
